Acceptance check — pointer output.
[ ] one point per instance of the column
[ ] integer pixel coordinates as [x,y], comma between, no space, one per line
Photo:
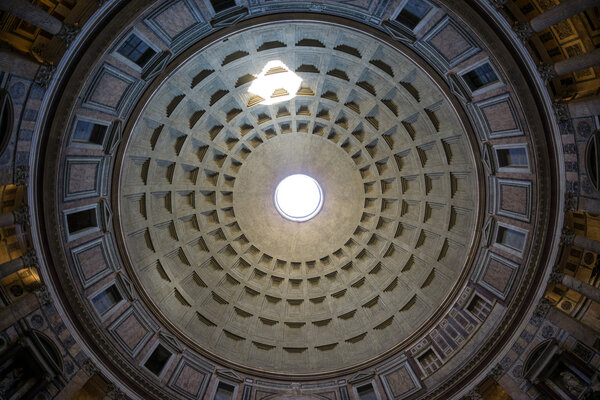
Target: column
[560,12]
[28,259]
[18,216]
[551,17]
[32,14]
[577,63]
[568,238]
[581,287]
[570,65]
[584,107]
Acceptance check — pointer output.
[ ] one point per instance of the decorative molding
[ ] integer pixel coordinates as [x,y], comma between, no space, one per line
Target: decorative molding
[229,375]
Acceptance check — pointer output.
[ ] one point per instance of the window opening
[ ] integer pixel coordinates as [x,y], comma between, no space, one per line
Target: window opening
[80,220]
[481,76]
[413,12]
[224,391]
[512,157]
[510,238]
[220,5]
[136,50]
[366,392]
[89,132]
[157,361]
[106,299]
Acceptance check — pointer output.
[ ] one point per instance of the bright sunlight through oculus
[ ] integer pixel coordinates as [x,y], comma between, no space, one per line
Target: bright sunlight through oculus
[298,197]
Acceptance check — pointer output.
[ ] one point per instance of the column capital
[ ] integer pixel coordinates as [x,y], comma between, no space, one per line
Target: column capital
[89,368]
[542,308]
[21,215]
[496,372]
[475,394]
[498,3]
[570,201]
[29,258]
[523,30]
[547,72]
[556,276]
[561,111]
[43,295]
[68,33]
[567,237]
[114,393]
[21,175]
[44,75]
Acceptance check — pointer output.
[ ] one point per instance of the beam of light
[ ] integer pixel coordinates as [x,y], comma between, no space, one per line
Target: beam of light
[275,83]
[298,197]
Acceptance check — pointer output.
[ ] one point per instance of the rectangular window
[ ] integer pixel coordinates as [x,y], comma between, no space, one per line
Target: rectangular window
[413,12]
[510,238]
[220,5]
[366,392]
[224,392]
[136,50]
[81,220]
[89,132]
[515,157]
[429,362]
[479,77]
[106,299]
[157,361]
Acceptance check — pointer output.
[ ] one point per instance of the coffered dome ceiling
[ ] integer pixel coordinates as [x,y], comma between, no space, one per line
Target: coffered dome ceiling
[400,198]
[158,199]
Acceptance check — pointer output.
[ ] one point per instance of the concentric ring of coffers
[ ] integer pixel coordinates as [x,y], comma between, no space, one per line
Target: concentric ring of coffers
[354,113]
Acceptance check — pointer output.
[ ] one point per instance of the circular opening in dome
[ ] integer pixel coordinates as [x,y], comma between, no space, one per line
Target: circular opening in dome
[298,197]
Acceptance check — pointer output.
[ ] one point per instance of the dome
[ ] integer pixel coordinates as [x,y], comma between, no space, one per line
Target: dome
[202,164]
[260,199]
